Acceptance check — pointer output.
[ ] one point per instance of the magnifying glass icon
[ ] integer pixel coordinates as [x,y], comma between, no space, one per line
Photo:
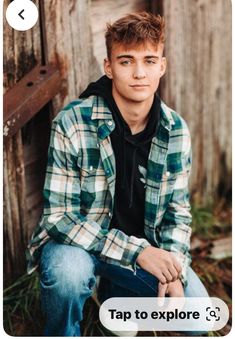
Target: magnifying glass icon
[212,313]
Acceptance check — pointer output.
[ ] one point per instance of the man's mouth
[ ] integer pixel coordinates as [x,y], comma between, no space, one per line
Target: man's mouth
[139,85]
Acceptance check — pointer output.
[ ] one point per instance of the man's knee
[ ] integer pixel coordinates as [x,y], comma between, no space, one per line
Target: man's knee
[67,268]
[195,287]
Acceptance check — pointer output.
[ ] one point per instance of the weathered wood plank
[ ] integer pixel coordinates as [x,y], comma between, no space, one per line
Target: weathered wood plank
[36,142]
[221,249]
[103,11]
[9,249]
[198,85]
[21,52]
[68,44]
[15,223]
[34,200]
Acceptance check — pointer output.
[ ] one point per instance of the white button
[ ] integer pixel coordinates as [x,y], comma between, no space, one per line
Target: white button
[168,173]
[110,214]
[110,122]
[91,168]
[22,14]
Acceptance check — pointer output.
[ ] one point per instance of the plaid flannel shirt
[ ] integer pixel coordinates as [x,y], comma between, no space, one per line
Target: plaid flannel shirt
[80,186]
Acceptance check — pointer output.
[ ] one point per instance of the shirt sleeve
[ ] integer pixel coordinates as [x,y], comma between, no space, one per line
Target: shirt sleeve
[62,219]
[175,229]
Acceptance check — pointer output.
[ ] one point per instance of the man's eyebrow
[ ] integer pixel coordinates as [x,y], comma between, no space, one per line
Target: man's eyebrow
[125,56]
[151,57]
[131,56]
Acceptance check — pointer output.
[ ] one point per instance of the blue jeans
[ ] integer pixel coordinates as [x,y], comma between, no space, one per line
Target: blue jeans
[68,276]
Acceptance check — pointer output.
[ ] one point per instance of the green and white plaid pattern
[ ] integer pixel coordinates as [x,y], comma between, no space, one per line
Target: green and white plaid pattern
[80,186]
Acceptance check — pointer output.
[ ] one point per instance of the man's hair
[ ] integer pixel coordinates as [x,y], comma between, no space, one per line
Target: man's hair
[135,29]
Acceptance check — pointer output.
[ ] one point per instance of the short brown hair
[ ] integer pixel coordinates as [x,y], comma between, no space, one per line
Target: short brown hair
[135,29]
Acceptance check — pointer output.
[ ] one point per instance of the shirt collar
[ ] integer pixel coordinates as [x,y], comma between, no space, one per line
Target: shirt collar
[166,116]
[100,111]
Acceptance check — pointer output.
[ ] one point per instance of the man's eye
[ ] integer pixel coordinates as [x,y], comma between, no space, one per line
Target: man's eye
[125,62]
[150,61]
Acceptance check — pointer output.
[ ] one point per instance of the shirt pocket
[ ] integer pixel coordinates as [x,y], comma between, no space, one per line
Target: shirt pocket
[94,188]
[93,180]
[167,184]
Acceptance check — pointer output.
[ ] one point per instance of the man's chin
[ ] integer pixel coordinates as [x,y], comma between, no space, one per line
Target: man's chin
[139,98]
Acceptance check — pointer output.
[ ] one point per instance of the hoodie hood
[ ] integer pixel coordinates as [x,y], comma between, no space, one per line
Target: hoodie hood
[103,88]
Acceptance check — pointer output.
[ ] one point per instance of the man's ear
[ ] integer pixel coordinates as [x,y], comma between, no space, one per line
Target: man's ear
[163,66]
[107,68]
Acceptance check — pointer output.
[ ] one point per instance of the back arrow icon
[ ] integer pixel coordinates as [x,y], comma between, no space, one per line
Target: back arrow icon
[21,13]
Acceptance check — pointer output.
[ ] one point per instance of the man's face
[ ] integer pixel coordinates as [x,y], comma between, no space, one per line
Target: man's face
[136,71]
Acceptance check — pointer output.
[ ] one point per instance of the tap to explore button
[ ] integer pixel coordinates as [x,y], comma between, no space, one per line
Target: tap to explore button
[167,314]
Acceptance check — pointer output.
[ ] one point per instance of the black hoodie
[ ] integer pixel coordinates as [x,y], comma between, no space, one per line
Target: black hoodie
[131,154]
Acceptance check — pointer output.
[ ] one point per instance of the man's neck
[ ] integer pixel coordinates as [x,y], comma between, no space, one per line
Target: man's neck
[136,114]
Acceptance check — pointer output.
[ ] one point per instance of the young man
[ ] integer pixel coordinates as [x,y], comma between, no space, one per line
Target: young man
[116,189]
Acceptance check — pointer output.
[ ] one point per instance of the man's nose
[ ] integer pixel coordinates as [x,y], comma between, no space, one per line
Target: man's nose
[139,72]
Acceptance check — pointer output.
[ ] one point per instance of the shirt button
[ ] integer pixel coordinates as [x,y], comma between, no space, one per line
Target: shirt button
[168,174]
[91,168]
[110,214]
[110,122]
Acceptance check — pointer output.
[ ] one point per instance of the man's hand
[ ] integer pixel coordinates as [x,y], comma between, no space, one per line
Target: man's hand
[173,289]
[160,263]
